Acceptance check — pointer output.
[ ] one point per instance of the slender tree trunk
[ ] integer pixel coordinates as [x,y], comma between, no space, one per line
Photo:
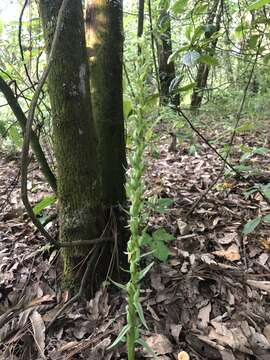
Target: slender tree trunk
[80,215]
[140,22]
[203,70]
[164,50]
[104,34]
[35,145]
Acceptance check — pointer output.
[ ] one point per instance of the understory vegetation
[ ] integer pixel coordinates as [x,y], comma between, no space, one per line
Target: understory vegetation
[134,179]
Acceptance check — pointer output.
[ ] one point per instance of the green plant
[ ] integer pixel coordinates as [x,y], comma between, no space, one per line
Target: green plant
[135,191]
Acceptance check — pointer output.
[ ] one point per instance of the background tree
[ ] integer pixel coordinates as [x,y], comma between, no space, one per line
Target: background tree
[166,68]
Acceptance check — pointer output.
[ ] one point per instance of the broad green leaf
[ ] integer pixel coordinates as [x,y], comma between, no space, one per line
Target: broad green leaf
[162,235]
[145,239]
[145,271]
[161,205]
[251,225]
[120,337]
[266,218]
[178,6]
[139,310]
[209,60]
[147,348]
[258,4]
[161,250]
[45,202]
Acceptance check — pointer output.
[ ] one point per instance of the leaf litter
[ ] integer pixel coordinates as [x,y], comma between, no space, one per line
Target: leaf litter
[210,300]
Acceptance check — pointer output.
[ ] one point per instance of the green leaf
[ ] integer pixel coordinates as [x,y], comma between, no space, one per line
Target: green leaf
[258,4]
[162,205]
[121,286]
[161,251]
[127,107]
[15,136]
[178,6]
[266,218]
[145,239]
[139,310]
[162,235]
[147,348]
[209,60]
[145,271]
[45,202]
[187,87]
[120,337]
[251,225]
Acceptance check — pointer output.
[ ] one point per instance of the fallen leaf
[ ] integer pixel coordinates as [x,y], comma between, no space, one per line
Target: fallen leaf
[232,253]
[204,316]
[160,344]
[262,285]
[38,331]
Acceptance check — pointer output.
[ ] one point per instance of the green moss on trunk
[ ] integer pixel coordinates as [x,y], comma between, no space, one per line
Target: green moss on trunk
[104,34]
[73,132]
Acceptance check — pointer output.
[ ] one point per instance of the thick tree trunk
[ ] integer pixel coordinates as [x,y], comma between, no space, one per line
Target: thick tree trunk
[104,34]
[164,50]
[203,70]
[73,133]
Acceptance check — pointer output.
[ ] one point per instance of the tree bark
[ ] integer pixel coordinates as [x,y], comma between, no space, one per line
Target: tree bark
[104,34]
[140,22]
[164,50]
[80,214]
[203,70]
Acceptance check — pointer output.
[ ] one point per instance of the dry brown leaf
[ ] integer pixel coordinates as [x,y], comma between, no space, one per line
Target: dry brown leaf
[204,316]
[232,253]
[38,331]
[262,285]
[266,332]
[160,344]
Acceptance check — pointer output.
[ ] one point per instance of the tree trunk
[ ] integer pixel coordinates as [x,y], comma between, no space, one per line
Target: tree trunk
[140,22]
[164,50]
[203,70]
[104,34]
[34,141]
[80,215]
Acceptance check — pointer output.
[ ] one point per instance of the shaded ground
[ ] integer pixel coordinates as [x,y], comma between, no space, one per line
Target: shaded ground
[209,301]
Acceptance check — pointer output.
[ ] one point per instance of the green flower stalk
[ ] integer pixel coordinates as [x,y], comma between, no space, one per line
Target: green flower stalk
[135,191]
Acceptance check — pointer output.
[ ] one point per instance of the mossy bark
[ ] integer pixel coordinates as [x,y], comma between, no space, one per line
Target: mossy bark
[80,215]
[104,37]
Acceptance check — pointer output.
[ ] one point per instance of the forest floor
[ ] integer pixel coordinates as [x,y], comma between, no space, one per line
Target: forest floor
[210,300]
